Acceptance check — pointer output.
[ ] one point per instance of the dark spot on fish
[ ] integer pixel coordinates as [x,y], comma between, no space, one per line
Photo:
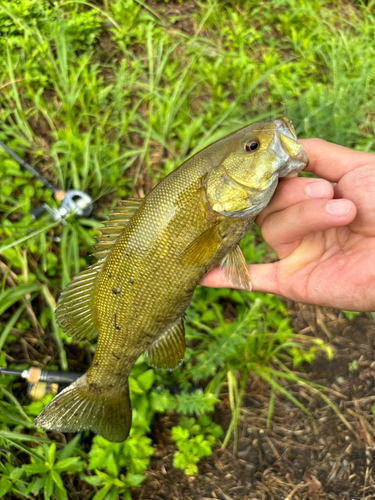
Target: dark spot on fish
[75,414]
[56,404]
[116,325]
[131,281]
[116,291]
[109,276]
[94,387]
[113,354]
[96,364]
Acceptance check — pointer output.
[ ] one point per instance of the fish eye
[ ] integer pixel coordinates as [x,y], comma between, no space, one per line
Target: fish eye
[251,145]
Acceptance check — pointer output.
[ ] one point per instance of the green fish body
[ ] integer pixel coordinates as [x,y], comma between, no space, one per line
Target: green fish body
[151,254]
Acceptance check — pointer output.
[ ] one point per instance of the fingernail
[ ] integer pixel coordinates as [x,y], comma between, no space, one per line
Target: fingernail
[318,189]
[338,207]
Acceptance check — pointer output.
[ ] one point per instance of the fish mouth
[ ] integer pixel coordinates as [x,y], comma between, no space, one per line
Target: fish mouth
[294,164]
[287,148]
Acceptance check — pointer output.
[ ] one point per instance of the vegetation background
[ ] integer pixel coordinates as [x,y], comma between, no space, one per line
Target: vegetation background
[108,97]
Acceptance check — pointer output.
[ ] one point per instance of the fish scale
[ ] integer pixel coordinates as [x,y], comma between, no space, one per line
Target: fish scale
[152,254]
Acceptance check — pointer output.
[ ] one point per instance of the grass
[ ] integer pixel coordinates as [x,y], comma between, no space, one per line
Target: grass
[108,98]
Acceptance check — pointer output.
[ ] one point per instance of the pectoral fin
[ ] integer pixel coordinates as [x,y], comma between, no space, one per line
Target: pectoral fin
[169,350]
[236,271]
[202,248]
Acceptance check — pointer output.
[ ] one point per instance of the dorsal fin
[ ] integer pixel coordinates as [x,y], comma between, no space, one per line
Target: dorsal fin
[75,310]
[118,220]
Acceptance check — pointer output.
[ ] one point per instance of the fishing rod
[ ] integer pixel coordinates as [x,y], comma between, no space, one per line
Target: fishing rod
[42,382]
[70,202]
[34,375]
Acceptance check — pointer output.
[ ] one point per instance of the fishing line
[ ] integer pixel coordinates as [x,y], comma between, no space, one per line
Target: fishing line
[286,110]
[80,204]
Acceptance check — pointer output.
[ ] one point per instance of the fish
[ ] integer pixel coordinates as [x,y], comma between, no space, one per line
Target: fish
[151,255]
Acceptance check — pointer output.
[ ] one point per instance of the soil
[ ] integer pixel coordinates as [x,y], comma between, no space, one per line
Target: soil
[295,458]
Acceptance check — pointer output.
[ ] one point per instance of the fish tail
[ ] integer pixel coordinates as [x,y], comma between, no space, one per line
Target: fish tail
[86,405]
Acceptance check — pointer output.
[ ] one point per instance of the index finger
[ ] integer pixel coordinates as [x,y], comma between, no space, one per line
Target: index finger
[331,161]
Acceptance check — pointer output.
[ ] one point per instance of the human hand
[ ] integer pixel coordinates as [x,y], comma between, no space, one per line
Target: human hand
[324,236]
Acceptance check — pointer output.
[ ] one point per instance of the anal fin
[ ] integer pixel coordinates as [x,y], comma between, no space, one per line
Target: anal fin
[169,350]
[236,270]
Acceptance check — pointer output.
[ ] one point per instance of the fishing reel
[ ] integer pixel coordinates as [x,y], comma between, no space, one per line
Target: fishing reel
[73,202]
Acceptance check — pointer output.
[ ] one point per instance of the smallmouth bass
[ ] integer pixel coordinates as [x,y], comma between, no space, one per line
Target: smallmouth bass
[151,255]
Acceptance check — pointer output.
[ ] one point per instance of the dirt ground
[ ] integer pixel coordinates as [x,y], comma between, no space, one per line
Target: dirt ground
[294,458]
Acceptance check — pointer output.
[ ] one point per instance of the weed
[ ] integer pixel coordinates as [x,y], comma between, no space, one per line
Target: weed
[194,440]
[109,97]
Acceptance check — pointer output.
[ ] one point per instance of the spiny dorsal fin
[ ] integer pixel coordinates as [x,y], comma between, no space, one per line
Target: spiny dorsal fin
[169,350]
[236,270]
[75,309]
[118,220]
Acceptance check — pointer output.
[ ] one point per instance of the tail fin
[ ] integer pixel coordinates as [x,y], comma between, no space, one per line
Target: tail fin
[85,405]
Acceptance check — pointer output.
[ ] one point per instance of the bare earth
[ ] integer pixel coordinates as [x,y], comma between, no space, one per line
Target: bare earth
[295,458]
